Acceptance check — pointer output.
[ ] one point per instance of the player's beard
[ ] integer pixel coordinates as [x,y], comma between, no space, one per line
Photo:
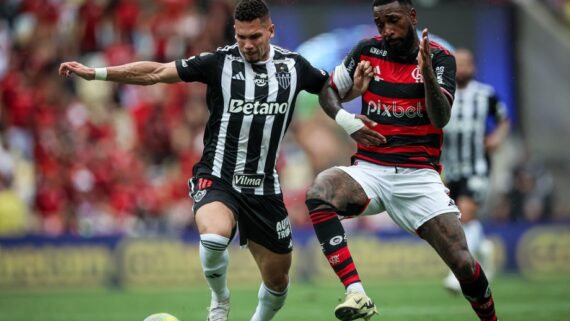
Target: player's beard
[405,46]
[261,54]
[256,57]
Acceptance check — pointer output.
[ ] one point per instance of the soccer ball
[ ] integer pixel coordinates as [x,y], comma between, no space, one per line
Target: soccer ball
[161,317]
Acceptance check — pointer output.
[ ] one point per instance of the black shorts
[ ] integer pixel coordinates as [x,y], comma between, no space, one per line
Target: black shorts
[475,187]
[261,218]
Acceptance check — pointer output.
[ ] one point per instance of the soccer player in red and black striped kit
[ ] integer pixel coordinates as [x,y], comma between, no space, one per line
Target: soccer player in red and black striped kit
[407,86]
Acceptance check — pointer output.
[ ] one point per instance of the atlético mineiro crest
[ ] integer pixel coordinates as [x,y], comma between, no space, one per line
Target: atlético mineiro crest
[199,195]
[284,79]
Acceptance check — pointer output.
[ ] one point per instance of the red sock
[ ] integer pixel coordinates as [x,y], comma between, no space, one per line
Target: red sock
[331,235]
[476,290]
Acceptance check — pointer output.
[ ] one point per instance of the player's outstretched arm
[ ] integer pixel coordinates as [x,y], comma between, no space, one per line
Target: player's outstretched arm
[137,73]
[437,105]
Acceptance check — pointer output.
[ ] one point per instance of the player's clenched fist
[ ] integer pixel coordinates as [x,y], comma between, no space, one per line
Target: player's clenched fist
[73,67]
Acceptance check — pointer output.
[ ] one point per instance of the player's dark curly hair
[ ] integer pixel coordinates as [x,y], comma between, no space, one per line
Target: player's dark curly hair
[249,10]
[407,3]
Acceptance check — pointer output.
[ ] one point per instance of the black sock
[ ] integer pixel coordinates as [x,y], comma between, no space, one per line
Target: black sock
[476,290]
[331,235]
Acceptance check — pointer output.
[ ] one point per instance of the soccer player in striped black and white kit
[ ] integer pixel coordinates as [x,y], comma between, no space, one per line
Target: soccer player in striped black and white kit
[409,96]
[252,88]
[478,124]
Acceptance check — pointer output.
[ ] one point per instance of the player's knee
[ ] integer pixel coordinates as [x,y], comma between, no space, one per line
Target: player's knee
[277,281]
[316,199]
[316,191]
[317,195]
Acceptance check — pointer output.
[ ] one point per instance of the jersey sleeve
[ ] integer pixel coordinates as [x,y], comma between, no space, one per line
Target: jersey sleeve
[497,109]
[198,68]
[343,74]
[311,79]
[444,67]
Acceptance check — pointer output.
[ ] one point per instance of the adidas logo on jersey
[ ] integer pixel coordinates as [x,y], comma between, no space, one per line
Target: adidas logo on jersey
[238,76]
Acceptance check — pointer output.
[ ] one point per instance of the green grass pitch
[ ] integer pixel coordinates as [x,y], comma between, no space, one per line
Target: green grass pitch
[398,300]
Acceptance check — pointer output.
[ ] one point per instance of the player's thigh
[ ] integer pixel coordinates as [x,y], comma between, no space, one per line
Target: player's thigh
[445,234]
[265,221]
[353,190]
[274,267]
[214,207]
[416,196]
[215,218]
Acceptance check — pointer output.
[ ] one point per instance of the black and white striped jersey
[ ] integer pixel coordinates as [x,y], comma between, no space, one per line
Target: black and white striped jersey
[474,112]
[251,106]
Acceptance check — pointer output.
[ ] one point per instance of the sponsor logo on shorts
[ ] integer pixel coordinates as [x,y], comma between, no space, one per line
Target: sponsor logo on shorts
[201,184]
[199,195]
[283,229]
[248,180]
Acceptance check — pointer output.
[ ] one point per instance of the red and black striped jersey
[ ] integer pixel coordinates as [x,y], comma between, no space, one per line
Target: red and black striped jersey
[395,99]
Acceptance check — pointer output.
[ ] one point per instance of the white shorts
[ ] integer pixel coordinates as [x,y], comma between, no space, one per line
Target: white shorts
[411,196]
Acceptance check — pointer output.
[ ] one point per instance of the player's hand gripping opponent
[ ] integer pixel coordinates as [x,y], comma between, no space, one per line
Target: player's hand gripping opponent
[359,126]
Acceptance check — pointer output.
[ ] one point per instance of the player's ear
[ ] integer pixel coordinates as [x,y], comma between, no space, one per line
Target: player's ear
[272,31]
[413,16]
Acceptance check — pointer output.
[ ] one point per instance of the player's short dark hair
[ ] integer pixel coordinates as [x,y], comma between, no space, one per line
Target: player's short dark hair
[407,3]
[249,10]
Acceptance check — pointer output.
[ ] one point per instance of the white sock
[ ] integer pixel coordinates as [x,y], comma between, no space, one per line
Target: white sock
[474,235]
[485,255]
[269,303]
[355,287]
[214,256]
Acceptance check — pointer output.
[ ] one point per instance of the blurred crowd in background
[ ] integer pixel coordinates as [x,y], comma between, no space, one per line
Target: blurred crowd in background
[560,8]
[97,158]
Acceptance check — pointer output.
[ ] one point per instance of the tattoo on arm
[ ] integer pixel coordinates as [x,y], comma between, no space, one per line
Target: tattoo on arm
[438,107]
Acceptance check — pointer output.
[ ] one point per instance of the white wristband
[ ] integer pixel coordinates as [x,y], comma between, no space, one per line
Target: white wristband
[100,73]
[348,122]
